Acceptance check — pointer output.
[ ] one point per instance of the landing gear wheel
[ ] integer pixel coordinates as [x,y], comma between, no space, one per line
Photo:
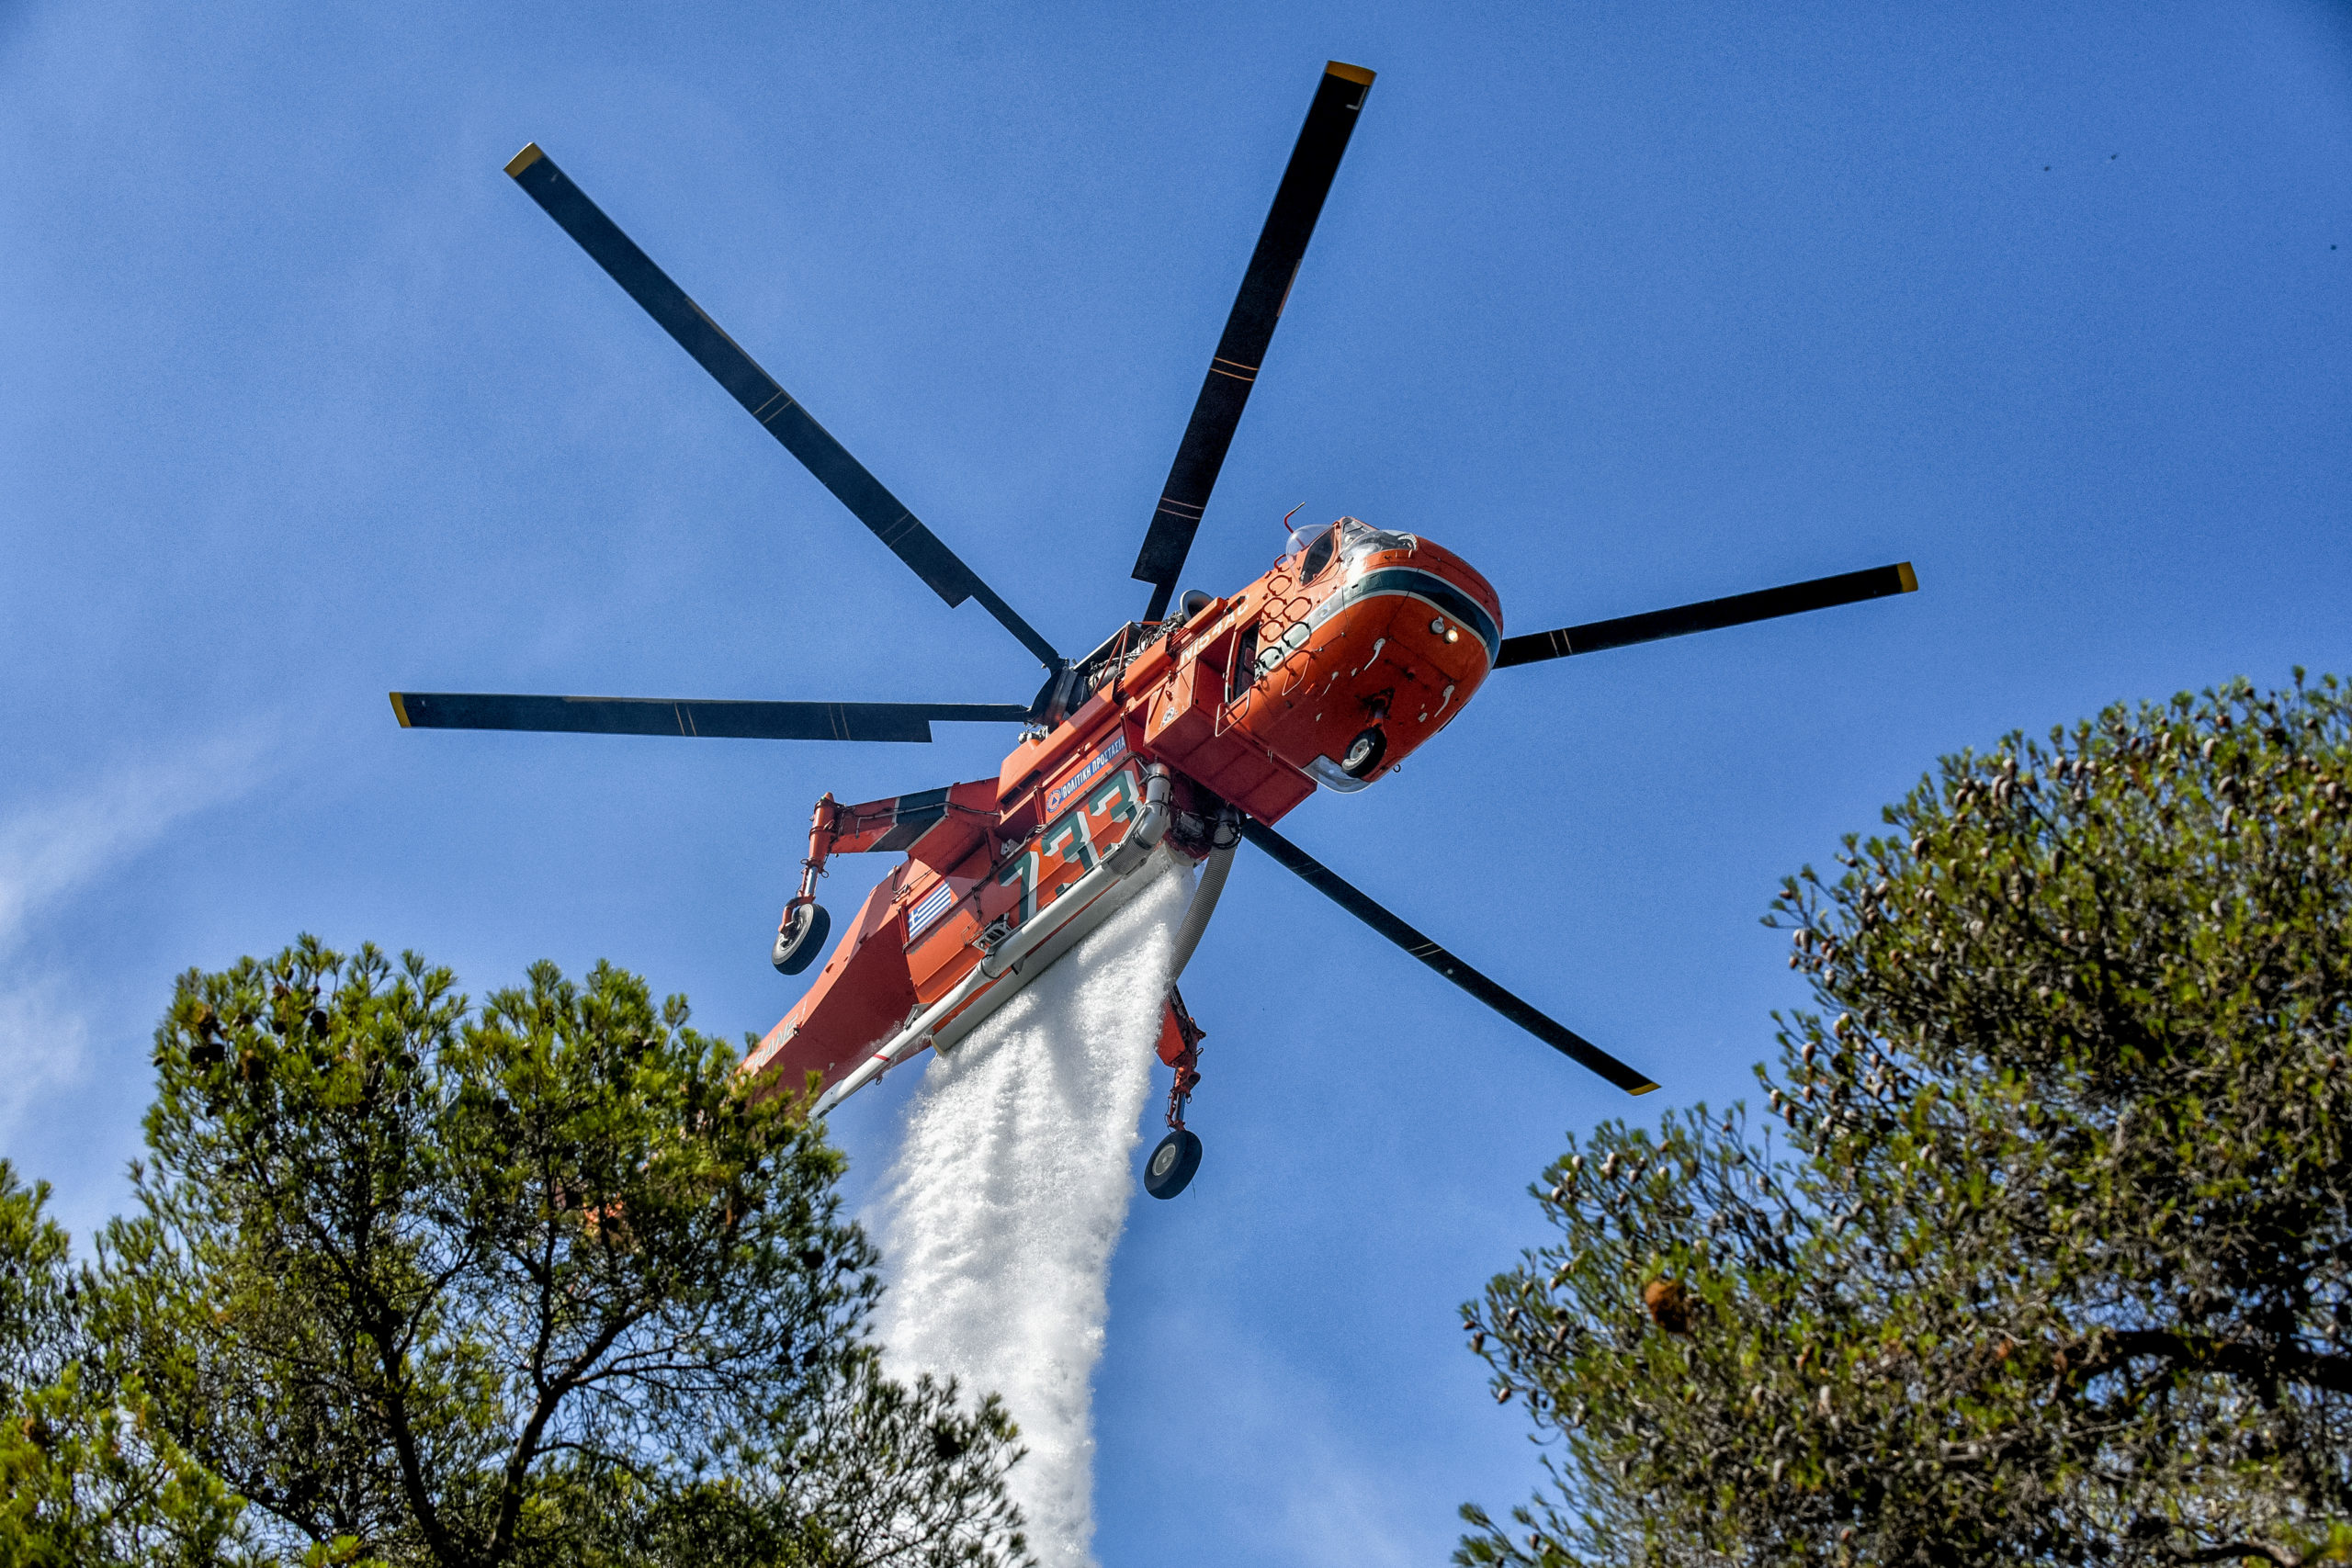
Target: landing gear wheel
[1363,756]
[802,937]
[1170,1168]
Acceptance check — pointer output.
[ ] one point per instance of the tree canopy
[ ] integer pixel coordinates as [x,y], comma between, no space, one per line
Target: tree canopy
[413,1281]
[86,1481]
[2050,1258]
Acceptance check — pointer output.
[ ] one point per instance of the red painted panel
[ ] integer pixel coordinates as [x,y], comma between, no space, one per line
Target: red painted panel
[1274,799]
[860,999]
[1183,715]
[941,953]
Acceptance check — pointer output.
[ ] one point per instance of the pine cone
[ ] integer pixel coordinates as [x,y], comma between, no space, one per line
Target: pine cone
[1669,1304]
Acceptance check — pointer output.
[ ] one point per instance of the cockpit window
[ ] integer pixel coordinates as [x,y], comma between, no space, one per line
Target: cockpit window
[1359,538]
[1318,555]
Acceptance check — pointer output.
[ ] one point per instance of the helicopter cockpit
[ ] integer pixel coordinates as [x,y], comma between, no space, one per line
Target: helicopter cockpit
[1349,540]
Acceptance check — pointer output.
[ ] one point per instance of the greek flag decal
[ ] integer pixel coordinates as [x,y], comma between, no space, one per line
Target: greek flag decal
[935,904]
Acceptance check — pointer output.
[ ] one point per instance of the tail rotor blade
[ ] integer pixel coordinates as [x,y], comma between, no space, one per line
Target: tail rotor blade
[714,720]
[791,424]
[1265,287]
[1711,614]
[1557,1035]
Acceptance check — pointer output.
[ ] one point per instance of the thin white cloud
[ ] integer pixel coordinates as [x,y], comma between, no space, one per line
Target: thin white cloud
[42,1039]
[1339,1509]
[51,851]
[1319,1498]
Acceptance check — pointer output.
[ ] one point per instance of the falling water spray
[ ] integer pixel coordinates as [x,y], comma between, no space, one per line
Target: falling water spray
[1009,1191]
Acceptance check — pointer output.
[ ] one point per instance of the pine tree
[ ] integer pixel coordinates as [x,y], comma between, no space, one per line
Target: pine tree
[2051,1258]
[534,1282]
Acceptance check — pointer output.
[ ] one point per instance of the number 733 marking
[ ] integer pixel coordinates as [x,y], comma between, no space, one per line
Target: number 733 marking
[1070,840]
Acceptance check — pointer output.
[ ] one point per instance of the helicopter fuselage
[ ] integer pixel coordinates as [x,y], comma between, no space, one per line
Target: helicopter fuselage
[1331,668]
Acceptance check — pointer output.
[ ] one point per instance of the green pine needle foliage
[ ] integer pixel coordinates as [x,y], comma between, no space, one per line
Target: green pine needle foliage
[87,1479]
[413,1281]
[2050,1258]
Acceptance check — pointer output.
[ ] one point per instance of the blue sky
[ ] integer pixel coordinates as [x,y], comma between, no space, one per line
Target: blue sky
[1629,304]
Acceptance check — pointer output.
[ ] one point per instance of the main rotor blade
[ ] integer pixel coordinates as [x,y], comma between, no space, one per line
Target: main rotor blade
[786,419]
[1711,614]
[1561,1038]
[1265,287]
[665,715]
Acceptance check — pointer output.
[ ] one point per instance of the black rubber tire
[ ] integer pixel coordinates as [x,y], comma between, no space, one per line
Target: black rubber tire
[1170,1169]
[1363,756]
[801,938]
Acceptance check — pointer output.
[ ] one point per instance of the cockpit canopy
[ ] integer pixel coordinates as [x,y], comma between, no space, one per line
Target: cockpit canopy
[1349,540]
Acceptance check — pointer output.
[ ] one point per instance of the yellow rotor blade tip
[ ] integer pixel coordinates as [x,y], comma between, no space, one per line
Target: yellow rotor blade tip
[400,710]
[525,159]
[1910,579]
[1347,72]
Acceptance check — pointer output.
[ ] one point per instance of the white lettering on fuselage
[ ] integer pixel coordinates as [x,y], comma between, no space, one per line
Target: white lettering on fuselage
[1078,781]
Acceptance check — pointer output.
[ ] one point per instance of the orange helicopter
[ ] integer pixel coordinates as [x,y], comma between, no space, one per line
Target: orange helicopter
[1182,735]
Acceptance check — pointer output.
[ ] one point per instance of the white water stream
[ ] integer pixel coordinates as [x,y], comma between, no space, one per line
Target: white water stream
[1008,1193]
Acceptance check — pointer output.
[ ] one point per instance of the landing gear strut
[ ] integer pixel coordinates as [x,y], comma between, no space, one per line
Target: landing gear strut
[800,935]
[1172,1163]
